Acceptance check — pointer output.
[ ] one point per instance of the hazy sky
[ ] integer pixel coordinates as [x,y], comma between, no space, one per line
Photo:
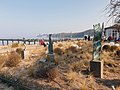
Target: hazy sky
[28,18]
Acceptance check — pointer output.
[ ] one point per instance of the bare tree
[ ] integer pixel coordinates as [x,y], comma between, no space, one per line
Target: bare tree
[113,10]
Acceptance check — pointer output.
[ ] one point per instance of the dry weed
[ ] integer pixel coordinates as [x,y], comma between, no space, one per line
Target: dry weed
[2,60]
[118,88]
[52,73]
[80,44]
[13,59]
[88,56]
[72,48]
[105,55]
[114,48]
[84,86]
[72,76]
[60,45]
[58,51]
[77,66]
[19,50]
[14,45]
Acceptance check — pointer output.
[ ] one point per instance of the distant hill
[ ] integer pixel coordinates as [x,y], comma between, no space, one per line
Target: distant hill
[69,35]
[74,35]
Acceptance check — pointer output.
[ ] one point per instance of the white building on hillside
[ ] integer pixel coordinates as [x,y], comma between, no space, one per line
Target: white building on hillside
[113,31]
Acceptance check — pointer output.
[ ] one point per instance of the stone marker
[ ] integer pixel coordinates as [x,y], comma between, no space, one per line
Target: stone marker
[50,46]
[50,55]
[96,68]
[96,65]
[26,54]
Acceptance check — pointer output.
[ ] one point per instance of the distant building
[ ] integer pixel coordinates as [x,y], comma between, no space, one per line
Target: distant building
[113,31]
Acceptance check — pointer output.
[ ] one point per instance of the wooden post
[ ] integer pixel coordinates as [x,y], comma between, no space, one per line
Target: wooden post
[3,42]
[34,41]
[29,42]
[12,41]
[18,41]
[24,42]
[7,42]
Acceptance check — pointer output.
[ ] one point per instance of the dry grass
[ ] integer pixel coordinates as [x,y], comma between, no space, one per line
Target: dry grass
[52,73]
[84,86]
[80,44]
[72,49]
[106,55]
[60,45]
[58,51]
[47,72]
[77,66]
[13,59]
[72,76]
[88,56]
[114,48]
[117,88]
[106,48]
[72,67]
[19,50]
[14,45]
[3,58]
[118,53]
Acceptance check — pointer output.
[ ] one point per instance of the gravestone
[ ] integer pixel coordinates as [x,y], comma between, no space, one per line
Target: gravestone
[50,46]
[96,65]
[50,55]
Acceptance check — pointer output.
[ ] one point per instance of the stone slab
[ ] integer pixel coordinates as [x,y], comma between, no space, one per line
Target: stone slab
[96,68]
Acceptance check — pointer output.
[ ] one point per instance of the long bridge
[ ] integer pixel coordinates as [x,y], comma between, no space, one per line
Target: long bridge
[29,41]
[25,41]
[19,40]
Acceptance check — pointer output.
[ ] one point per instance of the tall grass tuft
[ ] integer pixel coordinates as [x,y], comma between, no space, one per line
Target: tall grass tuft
[14,45]
[2,60]
[114,48]
[58,51]
[13,59]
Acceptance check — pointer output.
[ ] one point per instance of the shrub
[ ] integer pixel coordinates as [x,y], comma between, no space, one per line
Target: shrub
[14,45]
[72,48]
[77,66]
[58,51]
[114,48]
[106,48]
[19,50]
[60,45]
[80,44]
[13,59]
[41,73]
[2,59]
[52,72]
[72,76]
